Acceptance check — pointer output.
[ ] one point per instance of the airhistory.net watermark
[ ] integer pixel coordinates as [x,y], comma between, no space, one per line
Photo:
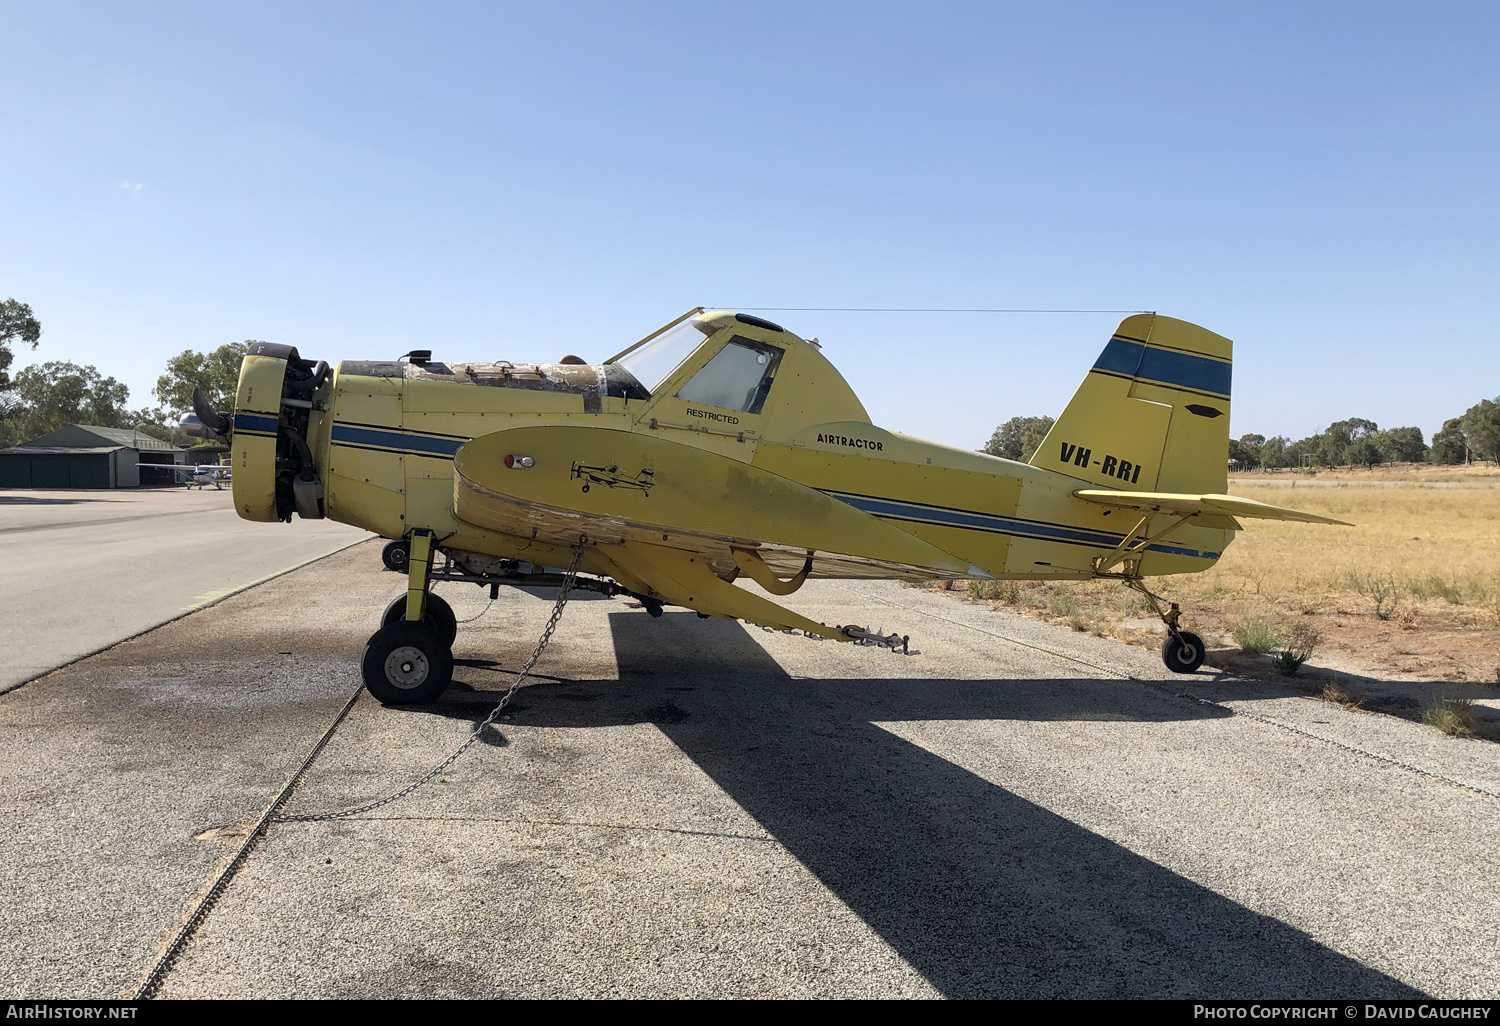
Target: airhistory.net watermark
[67,1010]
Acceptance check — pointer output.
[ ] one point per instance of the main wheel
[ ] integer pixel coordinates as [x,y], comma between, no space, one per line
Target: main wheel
[406,663]
[438,615]
[1183,652]
[396,555]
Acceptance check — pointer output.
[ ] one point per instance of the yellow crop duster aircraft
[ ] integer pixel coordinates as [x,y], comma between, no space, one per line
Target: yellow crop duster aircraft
[723,447]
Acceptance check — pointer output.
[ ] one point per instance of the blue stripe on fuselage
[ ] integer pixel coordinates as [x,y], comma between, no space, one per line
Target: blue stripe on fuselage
[1002,525]
[1184,370]
[426,445]
[422,444]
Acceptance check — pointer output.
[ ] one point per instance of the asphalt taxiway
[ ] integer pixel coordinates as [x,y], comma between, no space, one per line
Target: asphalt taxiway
[692,807]
[85,569]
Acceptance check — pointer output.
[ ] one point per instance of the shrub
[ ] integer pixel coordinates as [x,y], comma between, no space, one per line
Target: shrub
[1063,604]
[1297,645]
[1008,592]
[1256,636]
[1380,590]
[1453,716]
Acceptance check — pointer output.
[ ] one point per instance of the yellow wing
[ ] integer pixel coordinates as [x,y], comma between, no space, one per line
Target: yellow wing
[679,523]
[1202,505]
[621,487]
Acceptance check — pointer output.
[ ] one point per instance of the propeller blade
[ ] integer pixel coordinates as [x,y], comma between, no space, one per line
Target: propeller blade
[212,419]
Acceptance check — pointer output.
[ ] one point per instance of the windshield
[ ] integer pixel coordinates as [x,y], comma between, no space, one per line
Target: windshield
[654,362]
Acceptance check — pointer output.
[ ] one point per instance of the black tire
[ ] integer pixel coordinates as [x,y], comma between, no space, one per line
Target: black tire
[396,555]
[438,615]
[1183,653]
[405,663]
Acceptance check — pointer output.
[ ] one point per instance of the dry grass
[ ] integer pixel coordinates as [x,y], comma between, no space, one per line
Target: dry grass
[1412,591]
[1482,473]
[1424,549]
[1340,693]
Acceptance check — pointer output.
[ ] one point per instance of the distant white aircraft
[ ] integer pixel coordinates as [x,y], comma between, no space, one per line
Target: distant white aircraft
[203,475]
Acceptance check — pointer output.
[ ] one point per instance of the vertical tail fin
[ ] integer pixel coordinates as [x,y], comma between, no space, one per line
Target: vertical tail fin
[1152,414]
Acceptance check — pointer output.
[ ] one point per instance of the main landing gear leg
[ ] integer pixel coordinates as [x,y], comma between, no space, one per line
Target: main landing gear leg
[410,659]
[1183,651]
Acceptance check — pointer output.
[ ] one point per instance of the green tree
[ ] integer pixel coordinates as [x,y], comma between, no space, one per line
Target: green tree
[1273,452]
[46,396]
[1449,445]
[1332,447]
[1018,438]
[1245,451]
[1401,445]
[1294,452]
[1363,451]
[217,374]
[1481,426]
[18,325]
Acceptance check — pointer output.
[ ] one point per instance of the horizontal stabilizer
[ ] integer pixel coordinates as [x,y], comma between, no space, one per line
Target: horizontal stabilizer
[1203,505]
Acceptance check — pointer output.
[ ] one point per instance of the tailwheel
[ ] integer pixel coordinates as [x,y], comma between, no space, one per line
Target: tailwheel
[406,663]
[1182,652]
[438,615]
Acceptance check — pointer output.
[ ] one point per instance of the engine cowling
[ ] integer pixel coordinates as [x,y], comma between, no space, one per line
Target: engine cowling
[274,471]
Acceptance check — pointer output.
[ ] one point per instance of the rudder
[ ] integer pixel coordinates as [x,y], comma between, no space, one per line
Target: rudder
[1152,414]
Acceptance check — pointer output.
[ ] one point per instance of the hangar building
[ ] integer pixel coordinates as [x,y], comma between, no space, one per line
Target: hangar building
[84,456]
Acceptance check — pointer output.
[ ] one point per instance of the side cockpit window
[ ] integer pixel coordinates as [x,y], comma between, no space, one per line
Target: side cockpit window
[737,378]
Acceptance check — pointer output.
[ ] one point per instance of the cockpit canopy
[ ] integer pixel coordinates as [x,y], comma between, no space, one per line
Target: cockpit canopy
[737,377]
[719,359]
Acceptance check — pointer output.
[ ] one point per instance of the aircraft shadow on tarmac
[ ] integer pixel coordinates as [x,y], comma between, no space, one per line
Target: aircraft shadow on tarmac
[983,892]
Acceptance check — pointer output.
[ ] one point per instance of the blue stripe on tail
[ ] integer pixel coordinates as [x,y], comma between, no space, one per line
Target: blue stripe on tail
[1182,370]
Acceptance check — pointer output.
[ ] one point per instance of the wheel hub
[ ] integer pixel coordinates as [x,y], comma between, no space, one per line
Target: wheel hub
[406,667]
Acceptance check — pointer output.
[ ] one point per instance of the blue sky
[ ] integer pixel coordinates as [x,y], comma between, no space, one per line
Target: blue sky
[491,181]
